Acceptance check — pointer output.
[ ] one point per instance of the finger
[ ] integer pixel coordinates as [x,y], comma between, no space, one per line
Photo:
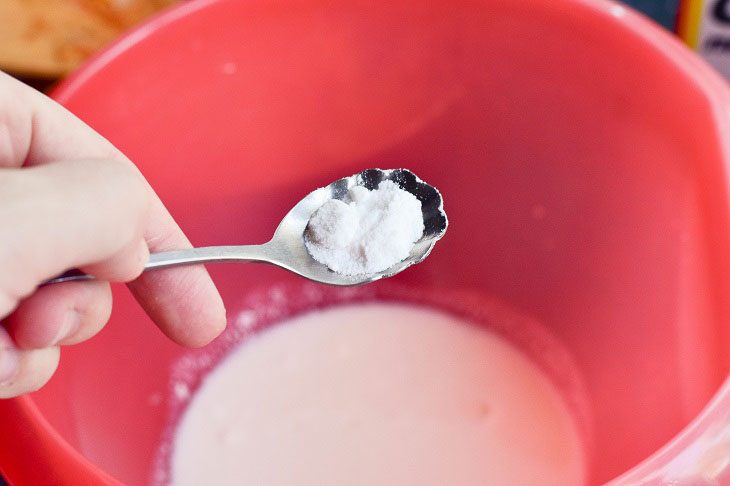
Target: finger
[36,368]
[34,130]
[59,314]
[70,214]
[33,368]
[183,301]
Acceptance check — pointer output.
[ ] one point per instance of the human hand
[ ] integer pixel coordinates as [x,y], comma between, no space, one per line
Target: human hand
[69,199]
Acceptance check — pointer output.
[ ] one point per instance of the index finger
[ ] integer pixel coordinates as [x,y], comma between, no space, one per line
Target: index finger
[35,130]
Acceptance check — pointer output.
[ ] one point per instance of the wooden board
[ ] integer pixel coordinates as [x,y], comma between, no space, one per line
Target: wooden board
[49,38]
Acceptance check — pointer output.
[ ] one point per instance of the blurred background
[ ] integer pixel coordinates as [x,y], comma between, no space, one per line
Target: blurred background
[664,12]
[43,40]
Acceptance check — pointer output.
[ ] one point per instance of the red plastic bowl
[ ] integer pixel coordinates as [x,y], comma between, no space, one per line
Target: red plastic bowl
[581,151]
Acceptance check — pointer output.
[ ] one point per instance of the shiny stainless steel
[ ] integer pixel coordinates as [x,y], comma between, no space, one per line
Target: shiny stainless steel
[287,249]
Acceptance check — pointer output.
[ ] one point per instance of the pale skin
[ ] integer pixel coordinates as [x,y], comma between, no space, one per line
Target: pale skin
[69,199]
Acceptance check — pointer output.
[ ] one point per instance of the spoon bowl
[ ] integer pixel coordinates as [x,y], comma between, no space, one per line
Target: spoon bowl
[288,241]
[287,248]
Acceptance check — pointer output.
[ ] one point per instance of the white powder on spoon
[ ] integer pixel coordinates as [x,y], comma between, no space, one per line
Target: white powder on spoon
[373,232]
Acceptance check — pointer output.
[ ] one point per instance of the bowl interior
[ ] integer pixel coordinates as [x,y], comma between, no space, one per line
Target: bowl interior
[580,170]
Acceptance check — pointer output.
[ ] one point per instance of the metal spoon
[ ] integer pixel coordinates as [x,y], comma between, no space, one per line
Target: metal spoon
[287,250]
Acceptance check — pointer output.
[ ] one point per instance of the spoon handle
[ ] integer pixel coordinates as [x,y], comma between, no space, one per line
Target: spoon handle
[208,254]
[192,256]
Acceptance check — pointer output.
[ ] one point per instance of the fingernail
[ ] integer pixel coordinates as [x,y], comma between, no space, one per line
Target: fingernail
[70,324]
[9,364]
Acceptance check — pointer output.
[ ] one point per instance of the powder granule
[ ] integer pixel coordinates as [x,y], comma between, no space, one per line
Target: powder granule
[374,231]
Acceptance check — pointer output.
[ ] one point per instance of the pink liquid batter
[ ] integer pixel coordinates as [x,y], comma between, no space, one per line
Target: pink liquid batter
[377,394]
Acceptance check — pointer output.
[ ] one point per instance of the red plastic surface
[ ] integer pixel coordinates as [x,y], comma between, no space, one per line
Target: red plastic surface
[581,153]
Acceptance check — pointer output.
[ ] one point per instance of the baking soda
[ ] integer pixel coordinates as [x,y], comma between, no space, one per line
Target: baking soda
[370,233]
